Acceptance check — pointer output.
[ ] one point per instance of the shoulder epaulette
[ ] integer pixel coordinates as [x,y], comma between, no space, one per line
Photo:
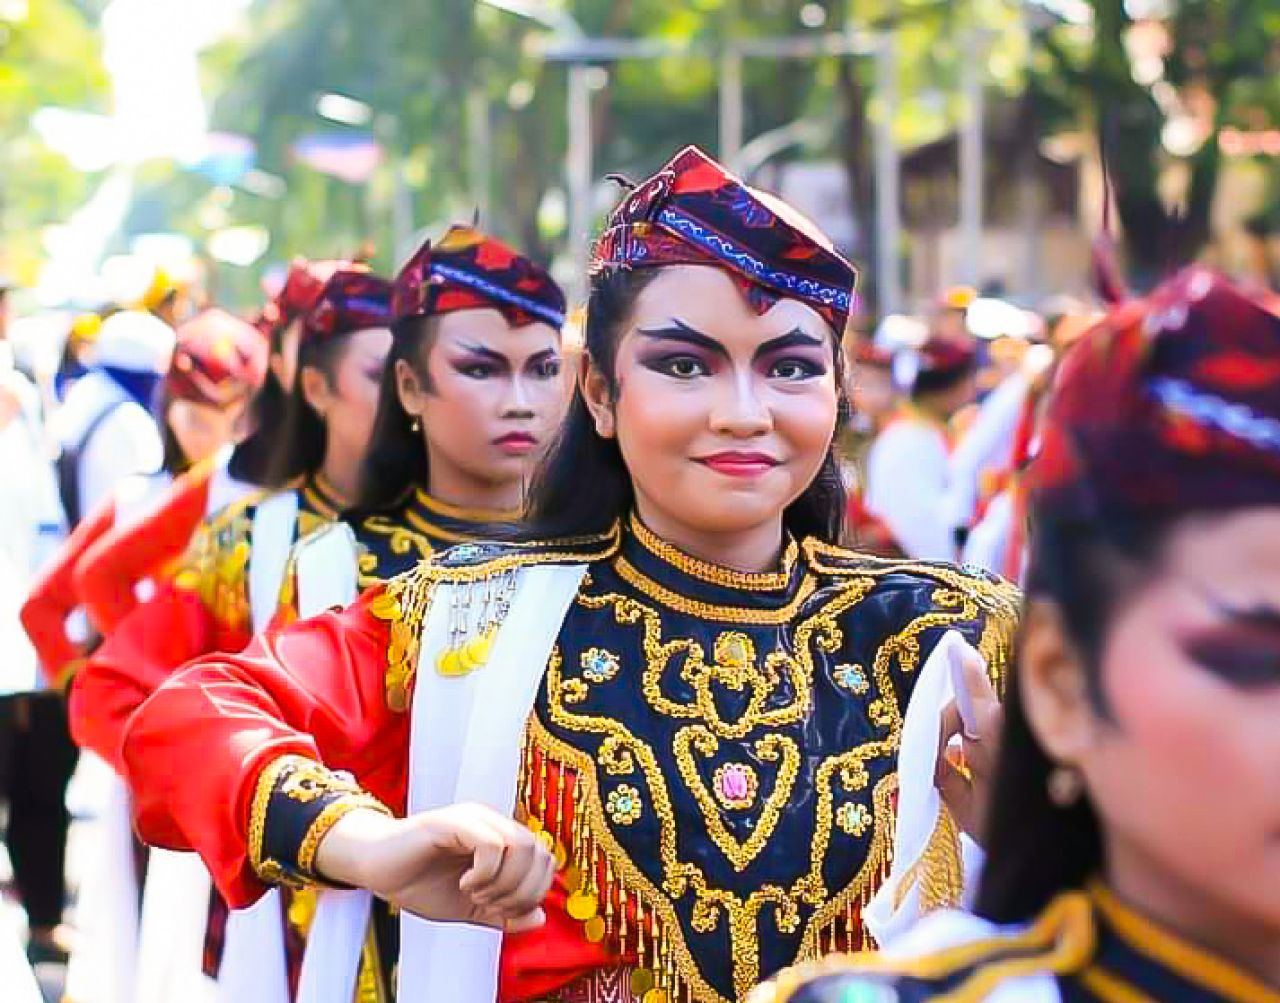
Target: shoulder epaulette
[477,561]
[993,601]
[406,598]
[1061,941]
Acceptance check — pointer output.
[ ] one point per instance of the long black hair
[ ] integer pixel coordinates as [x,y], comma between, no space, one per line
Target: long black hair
[397,457]
[301,439]
[582,487]
[1037,849]
[174,460]
[252,458]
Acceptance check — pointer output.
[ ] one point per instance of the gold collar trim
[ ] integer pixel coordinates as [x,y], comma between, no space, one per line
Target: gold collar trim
[478,515]
[1192,963]
[715,574]
[322,497]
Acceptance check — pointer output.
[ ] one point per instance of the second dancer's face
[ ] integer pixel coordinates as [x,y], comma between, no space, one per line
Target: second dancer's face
[492,399]
[724,415]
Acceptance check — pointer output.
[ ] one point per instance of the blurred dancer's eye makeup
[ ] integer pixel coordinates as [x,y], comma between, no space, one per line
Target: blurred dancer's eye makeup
[478,362]
[544,365]
[1243,649]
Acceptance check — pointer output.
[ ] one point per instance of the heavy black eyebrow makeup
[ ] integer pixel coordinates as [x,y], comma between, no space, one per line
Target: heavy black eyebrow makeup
[682,332]
[483,352]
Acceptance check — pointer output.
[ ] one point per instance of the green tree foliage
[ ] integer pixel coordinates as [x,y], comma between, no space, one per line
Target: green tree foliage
[49,56]
[1222,57]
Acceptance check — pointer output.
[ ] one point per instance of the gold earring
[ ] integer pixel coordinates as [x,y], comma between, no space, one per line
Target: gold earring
[417,424]
[1066,785]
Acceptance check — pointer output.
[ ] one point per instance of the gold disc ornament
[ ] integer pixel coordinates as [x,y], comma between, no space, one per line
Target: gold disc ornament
[582,906]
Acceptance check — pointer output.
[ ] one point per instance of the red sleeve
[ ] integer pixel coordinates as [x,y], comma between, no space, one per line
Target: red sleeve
[109,571]
[53,599]
[194,752]
[141,653]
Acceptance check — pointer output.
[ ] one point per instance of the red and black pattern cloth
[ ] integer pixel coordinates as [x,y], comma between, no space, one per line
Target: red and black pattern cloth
[1170,405]
[301,290]
[695,212]
[469,270]
[352,300]
[218,360]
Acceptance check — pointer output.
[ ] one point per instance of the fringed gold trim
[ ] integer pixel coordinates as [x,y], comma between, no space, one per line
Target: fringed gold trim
[939,872]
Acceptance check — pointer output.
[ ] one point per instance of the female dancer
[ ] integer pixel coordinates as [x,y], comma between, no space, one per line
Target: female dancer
[475,359]
[107,576]
[1133,839]
[218,363]
[471,395]
[714,692]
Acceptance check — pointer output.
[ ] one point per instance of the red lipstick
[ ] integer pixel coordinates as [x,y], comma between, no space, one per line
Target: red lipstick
[733,463]
[516,443]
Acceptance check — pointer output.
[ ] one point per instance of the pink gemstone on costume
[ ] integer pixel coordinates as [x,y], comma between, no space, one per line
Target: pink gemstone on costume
[735,785]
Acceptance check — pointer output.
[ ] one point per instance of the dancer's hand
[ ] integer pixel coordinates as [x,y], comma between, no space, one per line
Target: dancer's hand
[464,863]
[967,791]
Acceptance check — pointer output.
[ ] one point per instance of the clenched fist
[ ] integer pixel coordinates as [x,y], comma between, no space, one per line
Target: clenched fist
[464,863]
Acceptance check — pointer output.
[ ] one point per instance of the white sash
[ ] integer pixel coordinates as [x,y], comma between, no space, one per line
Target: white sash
[918,800]
[16,976]
[253,966]
[466,735]
[175,913]
[102,966]
[327,566]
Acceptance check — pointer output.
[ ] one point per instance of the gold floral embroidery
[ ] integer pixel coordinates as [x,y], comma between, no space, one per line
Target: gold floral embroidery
[852,678]
[599,665]
[681,877]
[853,818]
[839,776]
[308,781]
[736,786]
[624,805]
[770,749]
[402,541]
[735,666]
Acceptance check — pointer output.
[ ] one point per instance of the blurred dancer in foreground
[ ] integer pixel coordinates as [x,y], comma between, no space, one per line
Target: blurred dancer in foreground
[1135,833]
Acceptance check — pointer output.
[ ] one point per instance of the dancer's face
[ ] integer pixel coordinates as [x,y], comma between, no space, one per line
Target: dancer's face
[347,395]
[1182,761]
[202,429]
[723,414]
[491,398]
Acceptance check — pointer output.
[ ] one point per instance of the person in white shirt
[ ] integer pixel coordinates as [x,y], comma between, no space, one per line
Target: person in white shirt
[35,750]
[106,433]
[105,426]
[908,466]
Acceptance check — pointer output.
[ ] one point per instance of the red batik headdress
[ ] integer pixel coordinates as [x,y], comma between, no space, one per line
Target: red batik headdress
[301,291]
[1171,404]
[469,270]
[351,300]
[218,359]
[694,211]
